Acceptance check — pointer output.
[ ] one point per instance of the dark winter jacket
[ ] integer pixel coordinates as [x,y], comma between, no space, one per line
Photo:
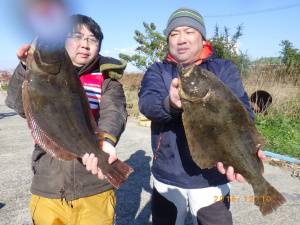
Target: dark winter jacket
[54,178]
[172,163]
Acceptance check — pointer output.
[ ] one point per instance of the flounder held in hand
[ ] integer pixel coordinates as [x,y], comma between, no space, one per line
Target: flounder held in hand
[218,129]
[57,110]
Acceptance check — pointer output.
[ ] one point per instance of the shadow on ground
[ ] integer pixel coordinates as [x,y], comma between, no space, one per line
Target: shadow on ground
[3,115]
[129,195]
[1,205]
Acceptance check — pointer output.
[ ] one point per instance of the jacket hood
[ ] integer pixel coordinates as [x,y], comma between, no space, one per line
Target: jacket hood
[112,67]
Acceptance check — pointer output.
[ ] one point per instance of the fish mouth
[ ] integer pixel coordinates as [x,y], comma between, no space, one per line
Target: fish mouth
[207,95]
[185,72]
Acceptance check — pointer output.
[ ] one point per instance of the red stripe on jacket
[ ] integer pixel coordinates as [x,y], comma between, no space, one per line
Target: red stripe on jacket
[92,84]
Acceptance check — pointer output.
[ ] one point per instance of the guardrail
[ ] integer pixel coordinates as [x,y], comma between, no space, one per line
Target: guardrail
[282,157]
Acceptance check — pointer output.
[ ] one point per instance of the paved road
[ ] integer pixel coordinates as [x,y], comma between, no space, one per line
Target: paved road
[133,197]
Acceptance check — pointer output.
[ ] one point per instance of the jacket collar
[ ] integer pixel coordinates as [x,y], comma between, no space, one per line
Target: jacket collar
[91,66]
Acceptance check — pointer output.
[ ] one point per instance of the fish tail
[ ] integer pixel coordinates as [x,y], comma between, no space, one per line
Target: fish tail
[118,173]
[267,198]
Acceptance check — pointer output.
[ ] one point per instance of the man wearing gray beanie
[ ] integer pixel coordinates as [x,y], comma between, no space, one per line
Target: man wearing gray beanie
[186,17]
[178,183]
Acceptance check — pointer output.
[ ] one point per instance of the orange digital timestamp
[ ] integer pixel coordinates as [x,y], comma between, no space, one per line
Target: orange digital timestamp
[257,198]
[245,198]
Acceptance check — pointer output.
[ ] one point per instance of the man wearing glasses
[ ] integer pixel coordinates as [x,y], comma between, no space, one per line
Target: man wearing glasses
[68,192]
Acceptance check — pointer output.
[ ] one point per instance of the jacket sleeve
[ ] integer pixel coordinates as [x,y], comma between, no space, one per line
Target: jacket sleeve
[14,91]
[113,114]
[233,81]
[154,96]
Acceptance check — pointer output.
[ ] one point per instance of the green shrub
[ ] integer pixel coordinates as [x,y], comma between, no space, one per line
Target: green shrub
[281,133]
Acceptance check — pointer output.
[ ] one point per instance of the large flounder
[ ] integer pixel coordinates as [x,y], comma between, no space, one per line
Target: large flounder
[218,129]
[57,110]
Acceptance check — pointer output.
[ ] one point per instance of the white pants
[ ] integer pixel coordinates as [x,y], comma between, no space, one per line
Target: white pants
[194,199]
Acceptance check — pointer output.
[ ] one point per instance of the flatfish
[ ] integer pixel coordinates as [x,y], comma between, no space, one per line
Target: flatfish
[218,129]
[57,109]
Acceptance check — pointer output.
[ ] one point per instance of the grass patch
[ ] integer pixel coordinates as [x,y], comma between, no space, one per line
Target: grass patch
[4,79]
[4,86]
[131,94]
[131,84]
[281,126]
[281,133]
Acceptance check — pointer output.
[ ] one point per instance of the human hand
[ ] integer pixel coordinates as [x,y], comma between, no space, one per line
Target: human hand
[231,175]
[22,53]
[91,161]
[174,94]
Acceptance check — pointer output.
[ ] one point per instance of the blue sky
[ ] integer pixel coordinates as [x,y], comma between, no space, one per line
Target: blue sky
[264,24]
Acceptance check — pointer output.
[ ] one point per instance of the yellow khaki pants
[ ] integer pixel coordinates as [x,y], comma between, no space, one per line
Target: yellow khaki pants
[93,210]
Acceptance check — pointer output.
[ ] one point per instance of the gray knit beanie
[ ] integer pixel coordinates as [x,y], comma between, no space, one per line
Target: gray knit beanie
[186,17]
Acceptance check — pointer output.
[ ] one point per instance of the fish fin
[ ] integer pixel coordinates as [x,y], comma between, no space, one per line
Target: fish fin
[118,173]
[256,142]
[88,115]
[267,198]
[257,137]
[260,165]
[93,123]
[40,137]
[203,162]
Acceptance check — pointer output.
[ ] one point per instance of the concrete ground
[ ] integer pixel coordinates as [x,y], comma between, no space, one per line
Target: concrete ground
[133,197]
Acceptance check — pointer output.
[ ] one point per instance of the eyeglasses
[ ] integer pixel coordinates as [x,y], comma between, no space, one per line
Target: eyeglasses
[77,37]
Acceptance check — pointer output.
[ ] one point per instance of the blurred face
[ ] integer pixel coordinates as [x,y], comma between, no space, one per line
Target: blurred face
[185,43]
[82,46]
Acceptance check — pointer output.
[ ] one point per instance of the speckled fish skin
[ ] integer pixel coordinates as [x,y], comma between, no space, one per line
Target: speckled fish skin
[57,110]
[218,129]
